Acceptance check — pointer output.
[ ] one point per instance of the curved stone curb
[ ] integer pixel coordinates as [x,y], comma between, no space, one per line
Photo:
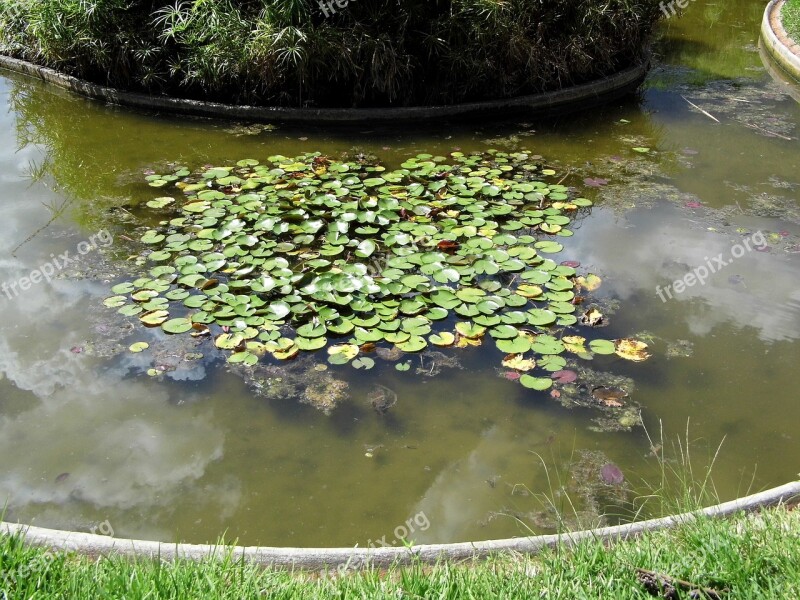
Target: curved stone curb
[777,42]
[570,99]
[320,558]
[789,85]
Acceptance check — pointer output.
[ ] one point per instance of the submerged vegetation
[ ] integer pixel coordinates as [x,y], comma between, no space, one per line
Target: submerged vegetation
[289,52]
[310,253]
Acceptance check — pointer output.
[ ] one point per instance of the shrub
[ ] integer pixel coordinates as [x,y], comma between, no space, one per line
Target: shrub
[287,52]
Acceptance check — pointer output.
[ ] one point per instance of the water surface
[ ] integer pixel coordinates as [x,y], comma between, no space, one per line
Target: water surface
[87,437]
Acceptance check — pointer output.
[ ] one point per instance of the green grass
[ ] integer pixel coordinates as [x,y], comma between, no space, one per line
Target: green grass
[744,556]
[790,15]
[287,52]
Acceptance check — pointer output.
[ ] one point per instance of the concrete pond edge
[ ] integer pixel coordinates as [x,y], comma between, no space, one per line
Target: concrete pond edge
[776,41]
[357,557]
[546,104]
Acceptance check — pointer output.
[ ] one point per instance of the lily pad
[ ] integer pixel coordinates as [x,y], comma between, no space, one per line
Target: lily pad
[631,349]
[444,338]
[414,343]
[602,347]
[536,383]
[154,317]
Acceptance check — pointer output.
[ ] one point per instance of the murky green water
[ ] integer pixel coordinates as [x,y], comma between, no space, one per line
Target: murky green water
[87,437]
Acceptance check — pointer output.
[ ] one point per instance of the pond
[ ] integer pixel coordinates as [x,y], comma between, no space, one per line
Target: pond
[173,443]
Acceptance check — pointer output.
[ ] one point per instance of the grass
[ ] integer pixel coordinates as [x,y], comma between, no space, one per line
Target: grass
[790,15]
[741,557]
[287,52]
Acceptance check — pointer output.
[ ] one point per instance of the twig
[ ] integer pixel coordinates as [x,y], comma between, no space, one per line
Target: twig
[665,586]
[565,176]
[767,131]
[705,112]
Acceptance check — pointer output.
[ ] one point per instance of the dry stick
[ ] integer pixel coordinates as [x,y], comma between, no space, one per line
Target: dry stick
[705,112]
[767,131]
[646,576]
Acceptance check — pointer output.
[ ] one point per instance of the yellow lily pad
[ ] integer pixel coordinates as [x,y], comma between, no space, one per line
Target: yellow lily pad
[518,362]
[631,349]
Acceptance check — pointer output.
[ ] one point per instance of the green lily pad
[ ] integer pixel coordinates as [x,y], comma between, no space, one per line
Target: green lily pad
[414,343]
[152,237]
[470,330]
[123,288]
[130,310]
[310,344]
[311,330]
[470,295]
[445,338]
[363,362]
[541,317]
[115,301]
[517,345]
[602,347]
[160,202]
[552,362]
[445,299]
[179,325]
[536,383]
[245,358]
[153,318]
[504,332]
[548,247]
[547,344]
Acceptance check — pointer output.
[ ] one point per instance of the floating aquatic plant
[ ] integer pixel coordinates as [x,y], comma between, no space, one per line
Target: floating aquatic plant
[309,253]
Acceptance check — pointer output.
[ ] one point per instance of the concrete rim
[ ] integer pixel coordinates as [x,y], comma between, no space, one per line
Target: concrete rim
[569,99]
[326,558]
[777,42]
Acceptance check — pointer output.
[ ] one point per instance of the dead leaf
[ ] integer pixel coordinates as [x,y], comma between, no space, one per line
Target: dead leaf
[590,283]
[463,342]
[631,349]
[575,344]
[592,317]
[609,396]
[448,246]
[518,363]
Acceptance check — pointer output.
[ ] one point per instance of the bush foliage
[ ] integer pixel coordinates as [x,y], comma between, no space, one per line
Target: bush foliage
[369,53]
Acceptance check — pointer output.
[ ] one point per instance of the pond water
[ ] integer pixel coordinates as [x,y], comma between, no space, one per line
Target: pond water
[88,438]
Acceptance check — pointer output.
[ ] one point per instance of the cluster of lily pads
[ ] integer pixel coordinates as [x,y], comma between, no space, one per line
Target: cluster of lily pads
[306,253]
